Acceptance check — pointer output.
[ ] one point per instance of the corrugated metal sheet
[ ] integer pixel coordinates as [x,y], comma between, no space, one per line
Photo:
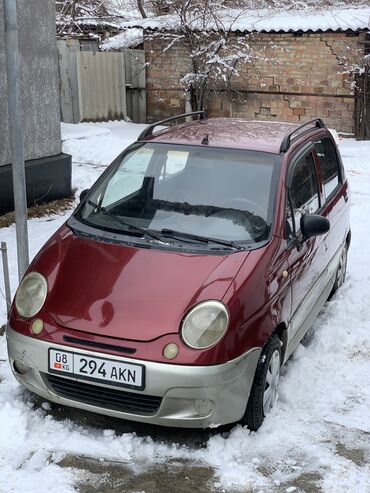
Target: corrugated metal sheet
[97,86]
[101,86]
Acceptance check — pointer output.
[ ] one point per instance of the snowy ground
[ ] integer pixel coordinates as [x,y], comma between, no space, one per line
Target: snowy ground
[317,439]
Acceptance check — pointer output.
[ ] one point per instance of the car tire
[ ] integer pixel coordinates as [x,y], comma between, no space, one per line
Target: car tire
[340,275]
[263,393]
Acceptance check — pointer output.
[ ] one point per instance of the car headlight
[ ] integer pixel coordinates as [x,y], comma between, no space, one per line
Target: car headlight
[31,294]
[205,324]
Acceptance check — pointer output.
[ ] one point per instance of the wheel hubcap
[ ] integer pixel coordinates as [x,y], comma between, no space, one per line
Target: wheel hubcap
[272,381]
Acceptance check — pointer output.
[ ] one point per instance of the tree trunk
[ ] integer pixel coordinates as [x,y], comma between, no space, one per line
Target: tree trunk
[140,6]
[73,10]
[362,112]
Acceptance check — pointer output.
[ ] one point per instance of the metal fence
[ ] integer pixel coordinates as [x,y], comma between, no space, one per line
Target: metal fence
[135,85]
[97,86]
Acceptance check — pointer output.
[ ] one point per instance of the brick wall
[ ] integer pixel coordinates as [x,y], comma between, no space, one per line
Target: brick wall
[294,78]
[165,96]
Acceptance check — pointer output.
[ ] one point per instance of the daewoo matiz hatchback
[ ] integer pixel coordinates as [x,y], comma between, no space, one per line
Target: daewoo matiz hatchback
[187,275]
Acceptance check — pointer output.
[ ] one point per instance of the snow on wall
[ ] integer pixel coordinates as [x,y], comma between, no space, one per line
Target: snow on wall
[130,38]
[333,19]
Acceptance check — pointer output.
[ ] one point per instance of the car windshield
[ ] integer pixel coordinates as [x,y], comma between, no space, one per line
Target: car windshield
[183,192]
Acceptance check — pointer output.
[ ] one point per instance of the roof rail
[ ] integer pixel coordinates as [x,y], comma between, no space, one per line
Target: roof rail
[149,130]
[287,139]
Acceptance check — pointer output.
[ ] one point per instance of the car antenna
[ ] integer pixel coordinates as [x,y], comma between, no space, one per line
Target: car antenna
[205,140]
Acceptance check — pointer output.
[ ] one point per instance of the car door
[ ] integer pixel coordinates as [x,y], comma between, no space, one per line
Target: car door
[335,197]
[307,259]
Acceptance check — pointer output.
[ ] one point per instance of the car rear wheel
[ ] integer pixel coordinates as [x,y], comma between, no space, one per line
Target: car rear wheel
[340,275]
[263,394]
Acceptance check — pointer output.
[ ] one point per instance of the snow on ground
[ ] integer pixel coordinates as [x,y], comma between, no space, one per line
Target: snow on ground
[320,428]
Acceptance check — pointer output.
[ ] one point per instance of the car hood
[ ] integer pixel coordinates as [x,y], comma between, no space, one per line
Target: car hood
[132,293]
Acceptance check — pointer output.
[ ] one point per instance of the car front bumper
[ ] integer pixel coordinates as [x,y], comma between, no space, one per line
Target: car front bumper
[188,396]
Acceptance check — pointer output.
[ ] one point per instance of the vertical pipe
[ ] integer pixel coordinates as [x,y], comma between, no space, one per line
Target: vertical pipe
[16,133]
[6,276]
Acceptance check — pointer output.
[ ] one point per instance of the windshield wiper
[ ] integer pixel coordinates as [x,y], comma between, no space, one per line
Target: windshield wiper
[138,229]
[203,239]
[161,235]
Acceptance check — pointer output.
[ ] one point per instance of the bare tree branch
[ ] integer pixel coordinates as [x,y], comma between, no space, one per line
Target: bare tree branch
[140,6]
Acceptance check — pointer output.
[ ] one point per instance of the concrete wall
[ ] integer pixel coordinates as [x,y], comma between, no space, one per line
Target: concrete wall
[39,81]
[295,78]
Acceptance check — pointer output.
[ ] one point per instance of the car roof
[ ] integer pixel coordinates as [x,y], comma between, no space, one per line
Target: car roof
[234,133]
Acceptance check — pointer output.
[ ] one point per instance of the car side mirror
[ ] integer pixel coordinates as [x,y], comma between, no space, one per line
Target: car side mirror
[314,225]
[83,194]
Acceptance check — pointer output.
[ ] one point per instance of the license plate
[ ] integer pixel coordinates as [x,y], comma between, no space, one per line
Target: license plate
[96,369]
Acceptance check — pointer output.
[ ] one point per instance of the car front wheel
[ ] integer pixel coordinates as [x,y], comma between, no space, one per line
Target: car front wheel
[263,394]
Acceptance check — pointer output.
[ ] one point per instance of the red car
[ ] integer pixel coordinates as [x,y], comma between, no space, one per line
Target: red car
[187,275]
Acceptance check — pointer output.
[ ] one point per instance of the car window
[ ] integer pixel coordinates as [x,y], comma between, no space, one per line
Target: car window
[218,193]
[128,177]
[329,163]
[174,163]
[304,194]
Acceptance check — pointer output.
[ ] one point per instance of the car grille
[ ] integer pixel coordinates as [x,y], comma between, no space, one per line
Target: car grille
[108,398]
[100,345]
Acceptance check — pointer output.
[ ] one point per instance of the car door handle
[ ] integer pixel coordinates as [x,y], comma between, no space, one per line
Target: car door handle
[345,197]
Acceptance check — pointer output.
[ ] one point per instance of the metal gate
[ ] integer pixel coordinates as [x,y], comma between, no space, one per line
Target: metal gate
[97,86]
[135,85]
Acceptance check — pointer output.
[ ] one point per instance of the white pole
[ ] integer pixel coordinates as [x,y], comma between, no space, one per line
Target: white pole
[16,133]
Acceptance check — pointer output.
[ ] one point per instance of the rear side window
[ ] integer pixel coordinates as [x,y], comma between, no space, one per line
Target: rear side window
[304,194]
[329,163]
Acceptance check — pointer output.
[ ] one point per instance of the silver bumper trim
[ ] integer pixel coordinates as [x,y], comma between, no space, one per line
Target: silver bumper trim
[192,396]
